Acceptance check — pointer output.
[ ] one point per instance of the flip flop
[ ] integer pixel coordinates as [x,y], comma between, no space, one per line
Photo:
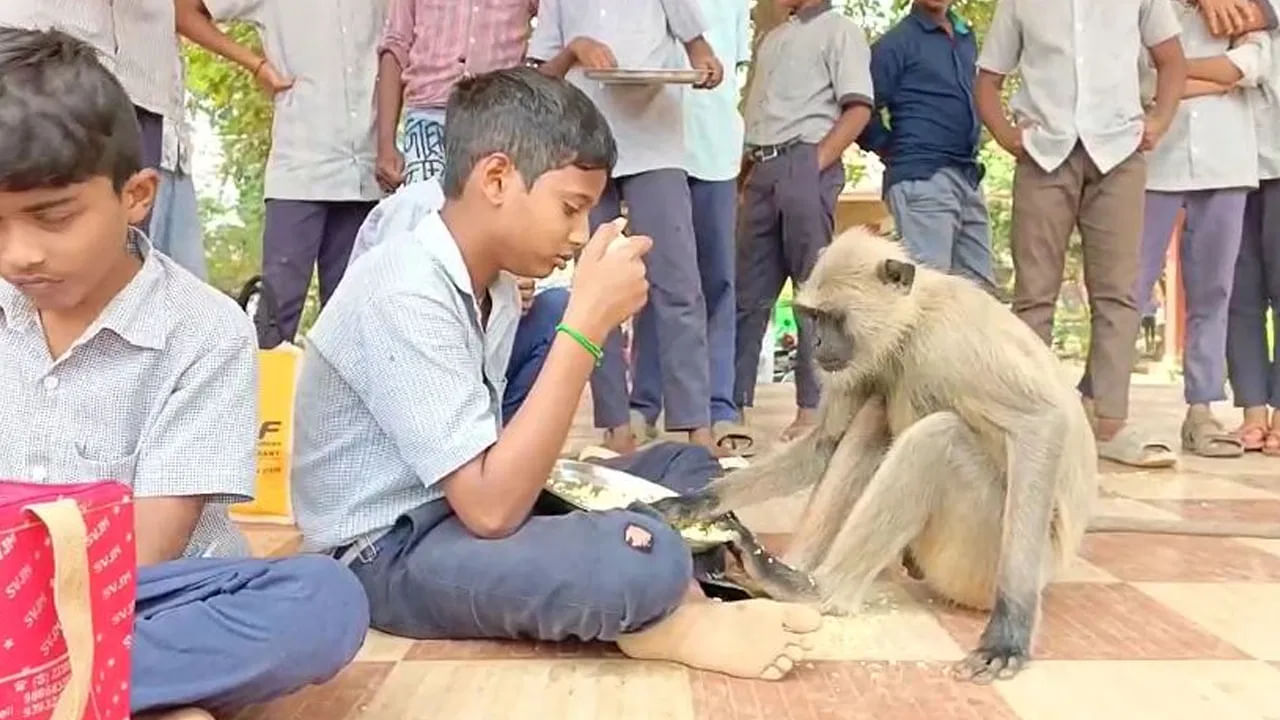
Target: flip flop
[1130,447]
[1271,443]
[734,438]
[1206,437]
[1253,436]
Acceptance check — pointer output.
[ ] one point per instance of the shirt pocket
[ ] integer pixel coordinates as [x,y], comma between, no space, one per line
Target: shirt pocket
[91,468]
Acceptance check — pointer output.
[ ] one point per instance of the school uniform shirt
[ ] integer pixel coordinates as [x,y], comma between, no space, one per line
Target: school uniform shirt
[647,120]
[439,43]
[925,116]
[1266,112]
[159,393]
[1211,142]
[808,70]
[713,128]
[400,385]
[130,36]
[322,135]
[1080,78]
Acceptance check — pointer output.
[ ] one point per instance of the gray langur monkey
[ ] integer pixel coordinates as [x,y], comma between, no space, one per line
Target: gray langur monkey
[947,440]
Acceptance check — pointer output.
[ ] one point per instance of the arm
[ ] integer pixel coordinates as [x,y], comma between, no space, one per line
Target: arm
[393,57]
[849,63]
[886,69]
[1235,17]
[195,20]
[1171,78]
[685,21]
[1001,53]
[1200,88]
[202,446]
[553,55]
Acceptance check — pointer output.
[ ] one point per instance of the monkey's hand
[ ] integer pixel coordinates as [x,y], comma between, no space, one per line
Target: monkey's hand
[687,509]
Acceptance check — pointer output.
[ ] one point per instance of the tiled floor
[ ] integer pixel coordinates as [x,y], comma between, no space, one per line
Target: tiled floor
[1167,628]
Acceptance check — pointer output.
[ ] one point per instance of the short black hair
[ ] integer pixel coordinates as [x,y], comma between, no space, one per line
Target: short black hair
[542,123]
[64,117]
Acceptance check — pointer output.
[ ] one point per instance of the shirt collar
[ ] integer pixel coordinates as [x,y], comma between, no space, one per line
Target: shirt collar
[443,246]
[812,11]
[928,24]
[134,313]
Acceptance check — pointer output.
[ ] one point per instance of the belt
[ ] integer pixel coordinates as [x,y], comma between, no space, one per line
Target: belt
[362,549]
[761,153]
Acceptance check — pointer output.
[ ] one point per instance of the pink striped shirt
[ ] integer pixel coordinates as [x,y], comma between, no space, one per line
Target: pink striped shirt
[438,42]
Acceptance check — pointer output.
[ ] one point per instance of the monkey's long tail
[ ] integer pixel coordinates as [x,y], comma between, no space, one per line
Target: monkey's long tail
[1182,526]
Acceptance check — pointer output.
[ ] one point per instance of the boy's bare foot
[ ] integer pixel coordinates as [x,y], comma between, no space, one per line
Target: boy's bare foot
[759,639]
[806,418]
[620,439]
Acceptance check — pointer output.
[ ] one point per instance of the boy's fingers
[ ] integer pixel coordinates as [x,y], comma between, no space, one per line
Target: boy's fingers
[604,235]
[639,245]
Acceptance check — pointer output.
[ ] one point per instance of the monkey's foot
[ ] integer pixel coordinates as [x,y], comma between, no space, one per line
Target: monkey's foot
[759,639]
[990,663]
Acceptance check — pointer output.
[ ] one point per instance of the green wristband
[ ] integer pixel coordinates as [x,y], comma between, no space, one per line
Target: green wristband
[582,340]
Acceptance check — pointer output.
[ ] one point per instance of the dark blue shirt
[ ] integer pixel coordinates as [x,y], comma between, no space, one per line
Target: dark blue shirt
[925,117]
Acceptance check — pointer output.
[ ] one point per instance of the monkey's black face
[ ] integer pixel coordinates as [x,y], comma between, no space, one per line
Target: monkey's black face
[832,345]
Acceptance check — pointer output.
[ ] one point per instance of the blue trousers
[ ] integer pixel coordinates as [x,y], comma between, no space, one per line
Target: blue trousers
[175,222]
[533,341]
[1255,373]
[943,223]
[223,634]
[559,577]
[715,206]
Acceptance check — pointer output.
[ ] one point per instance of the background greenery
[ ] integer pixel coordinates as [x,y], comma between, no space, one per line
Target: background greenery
[240,115]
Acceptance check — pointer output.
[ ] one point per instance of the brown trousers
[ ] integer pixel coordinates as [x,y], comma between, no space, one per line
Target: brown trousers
[1107,209]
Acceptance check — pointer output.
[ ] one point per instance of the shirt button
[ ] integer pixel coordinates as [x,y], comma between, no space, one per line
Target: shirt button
[50,382]
[39,473]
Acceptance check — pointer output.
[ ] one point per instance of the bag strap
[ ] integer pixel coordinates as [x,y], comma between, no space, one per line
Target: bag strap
[71,600]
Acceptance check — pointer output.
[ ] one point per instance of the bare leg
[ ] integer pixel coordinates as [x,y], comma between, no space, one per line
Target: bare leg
[806,418]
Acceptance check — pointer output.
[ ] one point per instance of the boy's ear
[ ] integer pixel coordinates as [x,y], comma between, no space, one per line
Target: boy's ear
[139,194]
[497,173]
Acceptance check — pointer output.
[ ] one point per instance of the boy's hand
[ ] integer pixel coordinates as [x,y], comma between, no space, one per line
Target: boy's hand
[526,286]
[702,57]
[389,168]
[272,80]
[1012,143]
[609,283]
[1226,17]
[1153,128]
[593,54]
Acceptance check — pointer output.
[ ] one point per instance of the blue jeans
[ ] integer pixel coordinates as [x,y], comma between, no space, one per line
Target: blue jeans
[175,223]
[223,634]
[715,206]
[533,341]
[943,223]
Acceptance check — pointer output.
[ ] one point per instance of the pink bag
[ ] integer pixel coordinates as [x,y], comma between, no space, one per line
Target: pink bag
[67,583]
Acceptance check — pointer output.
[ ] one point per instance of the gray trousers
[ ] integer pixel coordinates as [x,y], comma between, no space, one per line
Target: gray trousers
[1210,246]
[1254,372]
[224,634]
[943,223]
[788,216]
[659,206]
[301,236]
[559,577]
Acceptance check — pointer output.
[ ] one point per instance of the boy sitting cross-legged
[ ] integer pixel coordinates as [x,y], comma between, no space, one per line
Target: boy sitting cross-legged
[115,363]
[404,470]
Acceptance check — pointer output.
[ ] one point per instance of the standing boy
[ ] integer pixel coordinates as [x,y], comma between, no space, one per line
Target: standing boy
[320,65]
[1078,141]
[175,219]
[648,121]
[426,47]
[926,130]
[713,131]
[117,363]
[810,98]
[405,469]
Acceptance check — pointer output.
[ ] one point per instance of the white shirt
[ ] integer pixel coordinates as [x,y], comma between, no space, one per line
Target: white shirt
[1079,65]
[1211,142]
[713,128]
[322,135]
[131,36]
[1266,113]
[399,387]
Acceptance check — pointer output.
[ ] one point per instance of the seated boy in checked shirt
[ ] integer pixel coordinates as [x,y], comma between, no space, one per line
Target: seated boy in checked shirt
[403,468]
[115,363]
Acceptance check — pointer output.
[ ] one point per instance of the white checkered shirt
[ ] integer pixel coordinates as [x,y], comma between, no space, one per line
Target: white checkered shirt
[399,387]
[160,392]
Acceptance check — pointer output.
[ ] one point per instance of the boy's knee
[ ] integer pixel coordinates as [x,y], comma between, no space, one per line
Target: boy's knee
[646,570]
[323,615]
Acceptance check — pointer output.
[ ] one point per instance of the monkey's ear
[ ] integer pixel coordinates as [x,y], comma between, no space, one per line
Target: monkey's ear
[898,273]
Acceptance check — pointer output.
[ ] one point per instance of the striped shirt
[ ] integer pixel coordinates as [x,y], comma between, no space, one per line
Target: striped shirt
[130,35]
[322,135]
[437,44]
[400,386]
[160,393]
